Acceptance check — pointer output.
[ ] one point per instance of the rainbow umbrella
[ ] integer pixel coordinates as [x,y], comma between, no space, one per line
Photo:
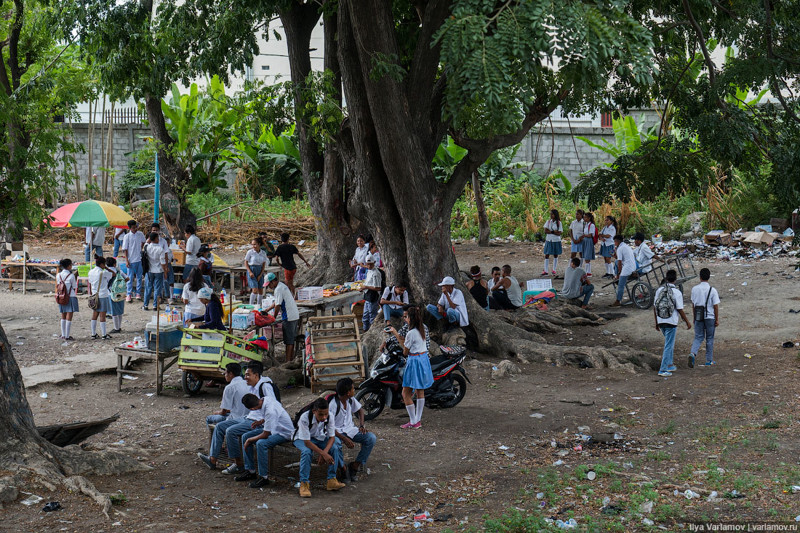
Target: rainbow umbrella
[89,213]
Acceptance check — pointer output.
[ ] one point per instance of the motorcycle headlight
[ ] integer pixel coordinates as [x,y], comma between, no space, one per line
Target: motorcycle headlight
[373,374]
[384,358]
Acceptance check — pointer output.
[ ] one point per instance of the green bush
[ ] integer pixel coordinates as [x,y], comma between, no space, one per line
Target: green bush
[141,171]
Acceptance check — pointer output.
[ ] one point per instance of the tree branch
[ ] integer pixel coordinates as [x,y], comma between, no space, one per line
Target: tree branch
[13,43]
[712,69]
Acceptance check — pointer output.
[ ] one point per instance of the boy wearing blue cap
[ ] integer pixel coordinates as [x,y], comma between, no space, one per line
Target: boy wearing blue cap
[290,316]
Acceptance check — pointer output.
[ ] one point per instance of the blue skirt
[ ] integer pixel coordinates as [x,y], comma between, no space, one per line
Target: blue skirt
[418,373]
[552,248]
[71,307]
[104,306]
[576,247]
[117,308]
[255,282]
[607,250]
[588,249]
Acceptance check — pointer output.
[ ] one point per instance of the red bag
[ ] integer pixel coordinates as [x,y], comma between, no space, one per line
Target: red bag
[264,320]
[62,295]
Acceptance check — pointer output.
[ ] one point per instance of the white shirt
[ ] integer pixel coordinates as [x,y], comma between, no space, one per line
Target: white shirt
[361,254]
[588,230]
[343,414]
[318,430]
[132,244]
[254,258]
[284,299]
[625,254]
[643,256]
[373,278]
[699,294]
[414,341]
[99,236]
[192,247]
[263,386]
[390,295]
[610,231]
[553,225]
[70,281]
[119,233]
[165,246]
[514,292]
[276,420]
[461,306]
[157,257]
[676,294]
[576,229]
[98,279]
[378,262]
[195,306]
[232,397]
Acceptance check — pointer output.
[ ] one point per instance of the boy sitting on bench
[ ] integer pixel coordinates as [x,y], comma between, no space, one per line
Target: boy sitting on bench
[343,407]
[316,433]
[278,428]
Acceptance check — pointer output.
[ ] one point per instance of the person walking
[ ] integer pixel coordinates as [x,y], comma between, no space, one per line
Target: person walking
[705,310]
[667,308]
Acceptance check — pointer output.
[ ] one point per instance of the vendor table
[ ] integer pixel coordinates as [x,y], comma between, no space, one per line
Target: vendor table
[218,274]
[333,305]
[163,361]
[25,265]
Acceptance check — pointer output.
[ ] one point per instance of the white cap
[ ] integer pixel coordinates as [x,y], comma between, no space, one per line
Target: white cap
[447,281]
[204,293]
[370,259]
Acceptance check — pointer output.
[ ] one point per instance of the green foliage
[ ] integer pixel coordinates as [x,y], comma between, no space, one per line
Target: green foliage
[268,164]
[141,171]
[207,203]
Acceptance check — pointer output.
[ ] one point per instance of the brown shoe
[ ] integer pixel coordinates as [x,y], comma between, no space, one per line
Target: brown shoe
[616,304]
[305,490]
[333,484]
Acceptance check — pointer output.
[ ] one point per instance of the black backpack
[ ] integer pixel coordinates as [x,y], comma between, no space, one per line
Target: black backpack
[145,259]
[275,390]
[307,409]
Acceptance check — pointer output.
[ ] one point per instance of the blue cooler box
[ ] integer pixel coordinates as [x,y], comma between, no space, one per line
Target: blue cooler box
[169,336]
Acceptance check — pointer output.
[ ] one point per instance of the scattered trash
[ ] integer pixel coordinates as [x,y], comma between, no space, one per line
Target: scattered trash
[20,343]
[558,463]
[744,284]
[537,415]
[442,517]
[433,444]
[690,494]
[429,491]
[648,522]
[736,370]
[43,395]
[646,507]
[51,506]
[31,500]
[611,510]
[748,356]
[539,495]
[749,393]
[713,496]
[131,378]
[422,516]
[795,489]
[734,495]
[150,394]
[591,475]
[788,344]
[503,447]
[570,524]
[262,506]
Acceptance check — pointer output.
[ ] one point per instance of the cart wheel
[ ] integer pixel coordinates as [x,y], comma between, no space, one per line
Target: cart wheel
[642,295]
[191,385]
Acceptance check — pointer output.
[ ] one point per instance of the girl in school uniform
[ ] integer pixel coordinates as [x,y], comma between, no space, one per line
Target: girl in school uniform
[99,278]
[359,260]
[552,240]
[67,276]
[254,263]
[575,234]
[205,262]
[418,375]
[587,242]
[607,246]
[194,309]
[117,308]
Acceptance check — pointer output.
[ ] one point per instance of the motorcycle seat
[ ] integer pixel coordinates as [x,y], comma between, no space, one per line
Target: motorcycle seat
[439,362]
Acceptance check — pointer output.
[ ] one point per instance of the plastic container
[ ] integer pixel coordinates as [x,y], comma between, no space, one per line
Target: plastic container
[83,270]
[177,290]
[169,337]
[243,318]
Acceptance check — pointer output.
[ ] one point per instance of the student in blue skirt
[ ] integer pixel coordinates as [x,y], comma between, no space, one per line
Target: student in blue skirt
[552,241]
[254,263]
[587,242]
[607,245]
[117,308]
[68,277]
[418,375]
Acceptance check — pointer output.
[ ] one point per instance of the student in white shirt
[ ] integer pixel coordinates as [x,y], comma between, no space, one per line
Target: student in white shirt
[418,374]
[575,234]
[67,276]
[552,241]
[119,235]
[587,242]
[342,408]
[705,311]
[231,411]
[316,433]
[132,246]
[254,261]
[358,262]
[643,254]
[607,246]
[191,247]
[668,324]
[116,309]
[451,304]
[626,265]
[157,275]
[372,293]
[290,315]
[278,429]
[93,245]
[169,281]
[99,278]
[393,299]
[193,308]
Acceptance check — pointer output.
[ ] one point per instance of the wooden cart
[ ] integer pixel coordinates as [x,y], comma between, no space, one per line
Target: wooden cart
[641,289]
[335,351]
[205,353]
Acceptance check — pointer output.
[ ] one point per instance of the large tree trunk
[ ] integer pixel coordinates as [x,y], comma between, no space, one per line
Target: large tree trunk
[480,206]
[174,178]
[27,460]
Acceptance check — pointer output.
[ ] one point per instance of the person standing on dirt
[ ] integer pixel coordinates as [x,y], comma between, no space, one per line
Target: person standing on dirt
[132,246]
[667,322]
[169,281]
[190,247]
[705,309]
[575,234]
[285,254]
[418,374]
[643,254]
[68,278]
[552,241]
[372,293]
[607,245]
[290,315]
[626,265]
[357,262]
[94,243]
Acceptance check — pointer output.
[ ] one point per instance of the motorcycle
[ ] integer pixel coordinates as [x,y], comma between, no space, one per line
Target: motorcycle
[385,383]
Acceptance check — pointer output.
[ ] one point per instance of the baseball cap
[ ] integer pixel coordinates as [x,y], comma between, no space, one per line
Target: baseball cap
[370,258]
[447,281]
[271,277]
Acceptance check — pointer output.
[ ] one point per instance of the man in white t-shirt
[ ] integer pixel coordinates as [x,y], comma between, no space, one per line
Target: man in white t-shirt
[290,315]
[342,408]
[166,290]
[191,248]
[626,265]
[667,323]
[132,246]
[316,433]
[643,254]
[451,304]
[157,274]
[94,243]
[705,311]
[393,300]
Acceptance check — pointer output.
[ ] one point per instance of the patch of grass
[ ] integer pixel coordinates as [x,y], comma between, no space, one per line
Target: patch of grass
[658,455]
[667,429]
[118,498]
[746,482]
[515,522]
[714,433]
[667,511]
[772,424]
[765,410]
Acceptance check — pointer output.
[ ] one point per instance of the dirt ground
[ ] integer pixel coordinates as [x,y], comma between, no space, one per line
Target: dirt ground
[730,429]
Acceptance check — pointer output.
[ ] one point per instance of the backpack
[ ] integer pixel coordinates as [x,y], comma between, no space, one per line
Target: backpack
[118,287]
[145,260]
[275,390]
[665,303]
[596,236]
[62,294]
[307,409]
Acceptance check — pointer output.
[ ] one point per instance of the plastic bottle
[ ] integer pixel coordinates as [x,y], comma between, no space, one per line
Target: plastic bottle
[168,312]
[222,296]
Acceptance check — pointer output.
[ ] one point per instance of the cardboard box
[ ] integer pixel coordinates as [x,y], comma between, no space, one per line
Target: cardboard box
[718,238]
[759,238]
[243,318]
[180,256]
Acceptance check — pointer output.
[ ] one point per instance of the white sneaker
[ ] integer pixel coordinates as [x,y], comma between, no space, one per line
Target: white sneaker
[665,374]
[233,469]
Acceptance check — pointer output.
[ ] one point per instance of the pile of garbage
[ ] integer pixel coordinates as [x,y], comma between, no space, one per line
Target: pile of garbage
[718,244]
